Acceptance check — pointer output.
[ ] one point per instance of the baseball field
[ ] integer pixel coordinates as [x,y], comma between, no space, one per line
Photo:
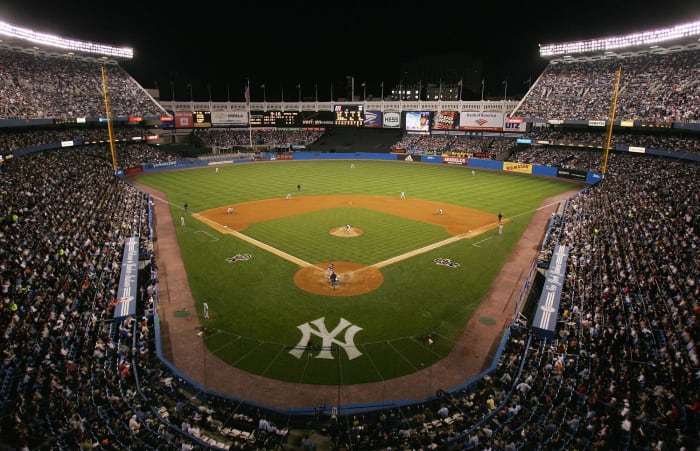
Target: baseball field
[258,240]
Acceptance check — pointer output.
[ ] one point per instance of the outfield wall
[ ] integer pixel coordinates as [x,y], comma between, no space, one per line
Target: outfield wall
[589,177]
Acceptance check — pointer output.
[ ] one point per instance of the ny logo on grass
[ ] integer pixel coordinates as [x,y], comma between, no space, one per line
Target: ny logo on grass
[318,328]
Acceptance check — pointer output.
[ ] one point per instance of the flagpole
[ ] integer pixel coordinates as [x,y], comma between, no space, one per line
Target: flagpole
[247,101]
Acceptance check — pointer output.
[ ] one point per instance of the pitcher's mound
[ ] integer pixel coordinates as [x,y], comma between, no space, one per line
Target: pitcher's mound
[355,278]
[343,232]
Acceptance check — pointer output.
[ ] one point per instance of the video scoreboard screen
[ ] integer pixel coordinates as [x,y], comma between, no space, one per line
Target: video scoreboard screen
[349,115]
[275,119]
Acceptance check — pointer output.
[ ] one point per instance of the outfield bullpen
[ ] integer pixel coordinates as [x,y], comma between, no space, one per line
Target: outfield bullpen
[260,314]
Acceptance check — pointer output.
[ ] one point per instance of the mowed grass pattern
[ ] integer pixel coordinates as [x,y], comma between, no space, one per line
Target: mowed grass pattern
[306,236]
[255,307]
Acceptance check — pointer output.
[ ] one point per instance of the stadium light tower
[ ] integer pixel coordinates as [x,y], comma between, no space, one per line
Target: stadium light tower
[351,87]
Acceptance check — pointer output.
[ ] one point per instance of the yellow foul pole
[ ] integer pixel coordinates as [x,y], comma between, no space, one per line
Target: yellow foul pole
[611,120]
[105,94]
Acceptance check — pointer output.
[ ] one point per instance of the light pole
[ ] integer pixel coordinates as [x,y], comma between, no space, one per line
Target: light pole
[505,91]
[264,96]
[382,91]
[364,91]
[299,87]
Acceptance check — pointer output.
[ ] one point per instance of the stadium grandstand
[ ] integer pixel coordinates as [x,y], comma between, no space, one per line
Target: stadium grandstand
[617,368]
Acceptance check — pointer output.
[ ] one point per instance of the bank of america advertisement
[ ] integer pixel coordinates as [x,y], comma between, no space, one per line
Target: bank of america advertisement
[234,118]
[481,120]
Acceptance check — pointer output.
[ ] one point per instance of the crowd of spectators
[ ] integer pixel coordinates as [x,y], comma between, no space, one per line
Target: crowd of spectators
[23,138]
[621,371]
[455,145]
[36,85]
[228,138]
[673,140]
[653,88]
[72,376]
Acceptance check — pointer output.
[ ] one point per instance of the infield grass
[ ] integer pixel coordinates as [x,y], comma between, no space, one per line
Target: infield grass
[255,307]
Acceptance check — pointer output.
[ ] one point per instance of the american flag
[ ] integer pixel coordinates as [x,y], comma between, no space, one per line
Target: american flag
[246,94]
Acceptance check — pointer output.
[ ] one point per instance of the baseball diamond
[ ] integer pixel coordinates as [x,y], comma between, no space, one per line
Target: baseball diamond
[301,237]
[357,278]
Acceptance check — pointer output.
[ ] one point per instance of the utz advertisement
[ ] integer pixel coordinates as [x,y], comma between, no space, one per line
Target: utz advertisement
[446,120]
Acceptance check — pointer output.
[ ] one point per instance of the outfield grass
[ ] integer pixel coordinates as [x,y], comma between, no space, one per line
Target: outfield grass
[255,307]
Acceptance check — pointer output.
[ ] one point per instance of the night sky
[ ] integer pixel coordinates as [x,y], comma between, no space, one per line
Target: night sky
[321,43]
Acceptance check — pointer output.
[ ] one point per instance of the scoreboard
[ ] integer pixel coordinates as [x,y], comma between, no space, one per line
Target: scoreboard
[342,115]
[275,119]
[349,115]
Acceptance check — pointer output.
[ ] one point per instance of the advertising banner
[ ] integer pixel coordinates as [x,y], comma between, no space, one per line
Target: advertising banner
[183,119]
[373,119]
[448,120]
[510,166]
[391,119]
[229,118]
[481,120]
